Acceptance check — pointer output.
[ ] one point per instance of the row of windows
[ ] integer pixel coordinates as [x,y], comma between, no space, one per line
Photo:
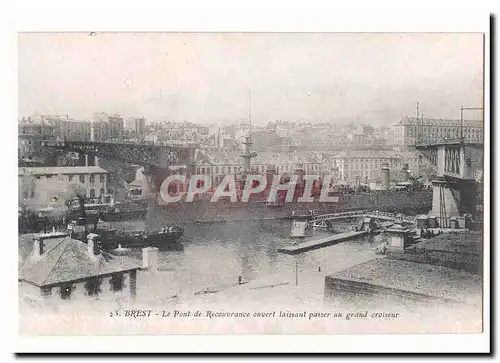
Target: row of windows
[446,132]
[365,174]
[81,178]
[257,168]
[93,287]
[31,193]
[366,166]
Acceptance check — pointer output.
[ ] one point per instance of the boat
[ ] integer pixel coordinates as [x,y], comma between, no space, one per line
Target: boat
[112,238]
[166,238]
[113,211]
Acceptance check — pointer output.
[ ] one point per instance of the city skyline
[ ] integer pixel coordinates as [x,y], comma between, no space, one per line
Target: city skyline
[205,78]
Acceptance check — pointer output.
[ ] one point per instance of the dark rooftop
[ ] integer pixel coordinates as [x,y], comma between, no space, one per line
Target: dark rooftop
[68,260]
[436,281]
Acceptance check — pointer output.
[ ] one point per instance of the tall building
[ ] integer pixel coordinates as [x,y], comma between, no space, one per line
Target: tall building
[69,129]
[115,126]
[107,126]
[411,130]
[140,126]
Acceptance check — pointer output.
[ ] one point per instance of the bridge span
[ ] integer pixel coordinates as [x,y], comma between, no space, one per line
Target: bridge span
[363,213]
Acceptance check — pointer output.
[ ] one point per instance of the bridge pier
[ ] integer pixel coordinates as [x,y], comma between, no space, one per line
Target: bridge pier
[453,199]
[454,190]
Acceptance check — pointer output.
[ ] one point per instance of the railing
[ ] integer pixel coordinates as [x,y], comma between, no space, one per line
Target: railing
[445,140]
[326,217]
[364,213]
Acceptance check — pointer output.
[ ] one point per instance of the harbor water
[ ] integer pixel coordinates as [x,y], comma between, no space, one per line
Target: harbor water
[217,254]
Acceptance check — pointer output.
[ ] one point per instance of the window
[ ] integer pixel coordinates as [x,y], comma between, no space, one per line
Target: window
[92,178]
[82,178]
[46,291]
[92,193]
[116,282]
[216,170]
[93,287]
[98,178]
[65,292]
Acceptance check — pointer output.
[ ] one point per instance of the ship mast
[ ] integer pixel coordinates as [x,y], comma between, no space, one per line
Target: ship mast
[248,155]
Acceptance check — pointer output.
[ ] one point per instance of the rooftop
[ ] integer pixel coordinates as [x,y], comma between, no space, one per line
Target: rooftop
[57,170]
[462,242]
[68,260]
[437,281]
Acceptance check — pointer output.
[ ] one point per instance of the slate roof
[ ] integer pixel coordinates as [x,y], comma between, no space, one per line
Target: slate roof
[68,260]
[433,280]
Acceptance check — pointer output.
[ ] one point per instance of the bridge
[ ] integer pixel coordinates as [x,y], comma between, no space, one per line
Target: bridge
[363,213]
[155,158]
[458,163]
[144,154]
[453,158]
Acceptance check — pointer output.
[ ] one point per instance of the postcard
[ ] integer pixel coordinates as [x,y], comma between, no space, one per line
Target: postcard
[238,183]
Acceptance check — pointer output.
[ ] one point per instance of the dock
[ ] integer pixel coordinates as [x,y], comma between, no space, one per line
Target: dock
[322,242]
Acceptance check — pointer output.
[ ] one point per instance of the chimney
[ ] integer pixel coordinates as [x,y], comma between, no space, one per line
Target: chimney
[150,259]
[38,246]
[93,245]
[385,175]
[406,175]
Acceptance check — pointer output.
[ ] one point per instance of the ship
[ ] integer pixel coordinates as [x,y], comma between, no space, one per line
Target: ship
[112,211]
[406,198]
[166,238]
[47,217]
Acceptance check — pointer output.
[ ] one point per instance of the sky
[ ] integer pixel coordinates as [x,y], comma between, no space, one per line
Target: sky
[207,77]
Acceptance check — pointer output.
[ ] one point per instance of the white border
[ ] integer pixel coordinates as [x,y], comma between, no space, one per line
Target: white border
[296,19]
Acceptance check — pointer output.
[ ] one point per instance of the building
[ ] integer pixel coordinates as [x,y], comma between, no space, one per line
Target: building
[29,139]
[364,166]
[137,125]
[357,140]
[43,183]
[68,129]
[107,126]
[99,131]
[61,268]
[410,130]
[115,127]
[219,164]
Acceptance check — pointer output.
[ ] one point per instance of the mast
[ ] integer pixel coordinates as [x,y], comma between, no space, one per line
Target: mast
[248,155]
